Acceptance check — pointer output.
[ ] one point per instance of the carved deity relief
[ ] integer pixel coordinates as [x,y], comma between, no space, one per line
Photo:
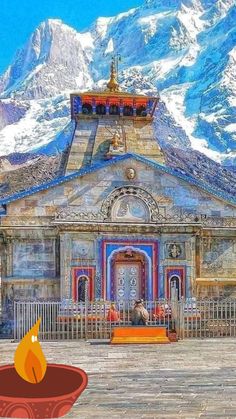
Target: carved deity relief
[130,208]
[130,203]
[130,173]
[116,146]
[175,250]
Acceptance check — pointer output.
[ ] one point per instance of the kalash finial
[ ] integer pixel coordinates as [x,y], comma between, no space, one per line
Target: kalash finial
[113,84]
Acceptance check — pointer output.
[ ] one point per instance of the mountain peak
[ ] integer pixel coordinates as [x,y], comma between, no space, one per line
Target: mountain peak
[51,61]
[205,5]
[182,48]
[163,4]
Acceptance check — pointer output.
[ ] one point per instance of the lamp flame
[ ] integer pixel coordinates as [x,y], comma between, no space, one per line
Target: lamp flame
[29,359]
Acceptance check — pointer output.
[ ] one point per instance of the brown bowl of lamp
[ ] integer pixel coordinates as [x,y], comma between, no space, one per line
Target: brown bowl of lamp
[53,397]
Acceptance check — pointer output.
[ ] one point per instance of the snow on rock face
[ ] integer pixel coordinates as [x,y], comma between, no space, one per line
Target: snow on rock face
[11,111]
[42,121]
[53,61]
[185,49]
[163,4]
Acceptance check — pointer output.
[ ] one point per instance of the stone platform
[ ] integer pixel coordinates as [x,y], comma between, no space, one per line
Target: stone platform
[188,379]
[139,335]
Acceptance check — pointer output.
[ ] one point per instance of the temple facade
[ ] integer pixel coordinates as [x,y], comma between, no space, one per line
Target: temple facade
[117,223]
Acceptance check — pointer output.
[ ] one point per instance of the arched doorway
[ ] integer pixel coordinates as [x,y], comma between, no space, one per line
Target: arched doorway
[129,273]
[82,288]
[175,288]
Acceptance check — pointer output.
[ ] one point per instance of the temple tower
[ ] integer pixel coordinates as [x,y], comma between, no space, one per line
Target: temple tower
[111,123]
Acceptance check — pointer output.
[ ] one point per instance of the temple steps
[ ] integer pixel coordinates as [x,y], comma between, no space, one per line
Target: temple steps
[139,335]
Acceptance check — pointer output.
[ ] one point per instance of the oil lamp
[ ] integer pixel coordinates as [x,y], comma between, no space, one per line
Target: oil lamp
[31,388]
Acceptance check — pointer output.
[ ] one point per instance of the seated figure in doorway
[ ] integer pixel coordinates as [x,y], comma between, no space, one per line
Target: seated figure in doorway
[113,315]
[82,288]
[139,315]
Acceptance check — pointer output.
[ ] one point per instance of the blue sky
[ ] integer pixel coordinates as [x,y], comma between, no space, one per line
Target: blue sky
[19,18]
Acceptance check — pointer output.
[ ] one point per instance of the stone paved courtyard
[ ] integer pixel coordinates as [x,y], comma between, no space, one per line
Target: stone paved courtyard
[188,379]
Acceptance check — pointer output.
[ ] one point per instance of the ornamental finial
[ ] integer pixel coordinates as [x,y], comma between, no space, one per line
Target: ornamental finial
[113,84]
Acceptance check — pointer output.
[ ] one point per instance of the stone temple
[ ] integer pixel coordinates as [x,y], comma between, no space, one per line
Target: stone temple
[110,219]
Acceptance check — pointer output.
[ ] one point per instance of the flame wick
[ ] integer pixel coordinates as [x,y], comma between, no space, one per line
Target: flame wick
[30,362]
[34,375]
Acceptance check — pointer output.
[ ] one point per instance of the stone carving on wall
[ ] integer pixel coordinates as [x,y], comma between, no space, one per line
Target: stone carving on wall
[130,209]
[98,285]
[130,173]
[26,221]
[71,214]
[157,209]
[82,250]
[175,250]
[116,146]
[220,221]
[130,191]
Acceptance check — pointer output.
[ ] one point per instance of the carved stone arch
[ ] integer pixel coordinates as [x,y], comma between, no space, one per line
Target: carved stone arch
[133,191]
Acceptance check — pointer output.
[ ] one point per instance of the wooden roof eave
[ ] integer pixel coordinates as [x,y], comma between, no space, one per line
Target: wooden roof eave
[112,94]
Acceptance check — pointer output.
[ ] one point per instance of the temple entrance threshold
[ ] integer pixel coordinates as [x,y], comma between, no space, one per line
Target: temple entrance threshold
[129,275]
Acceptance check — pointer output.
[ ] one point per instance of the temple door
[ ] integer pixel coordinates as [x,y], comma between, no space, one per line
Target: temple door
[127,280]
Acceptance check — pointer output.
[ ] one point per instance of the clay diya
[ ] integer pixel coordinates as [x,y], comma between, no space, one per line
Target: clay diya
[31,388]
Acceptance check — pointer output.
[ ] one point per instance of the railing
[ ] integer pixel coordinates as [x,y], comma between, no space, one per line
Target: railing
[208,318]
[190,318]
[66,320]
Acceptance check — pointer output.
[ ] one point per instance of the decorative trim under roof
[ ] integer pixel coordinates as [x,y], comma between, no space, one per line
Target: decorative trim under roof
[94,167]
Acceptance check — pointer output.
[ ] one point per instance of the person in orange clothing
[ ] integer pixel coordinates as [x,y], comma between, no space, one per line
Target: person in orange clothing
[113,315]
[159,312]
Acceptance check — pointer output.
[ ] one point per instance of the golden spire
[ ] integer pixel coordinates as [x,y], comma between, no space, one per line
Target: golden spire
[113,84]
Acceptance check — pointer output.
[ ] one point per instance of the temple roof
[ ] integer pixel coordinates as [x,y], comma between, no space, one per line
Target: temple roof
[50,183]
[107,93]
[36,172]
[112,96]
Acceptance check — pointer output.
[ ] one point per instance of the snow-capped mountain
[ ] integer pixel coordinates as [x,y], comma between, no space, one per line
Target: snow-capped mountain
[185,49]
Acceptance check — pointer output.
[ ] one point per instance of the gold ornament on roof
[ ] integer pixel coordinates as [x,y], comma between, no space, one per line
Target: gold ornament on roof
[116,140]
[113,84]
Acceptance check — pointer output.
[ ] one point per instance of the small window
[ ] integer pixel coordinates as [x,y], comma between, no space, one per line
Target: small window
[87,109]
[114,110]
[141,111]
[128,111]
[101,109]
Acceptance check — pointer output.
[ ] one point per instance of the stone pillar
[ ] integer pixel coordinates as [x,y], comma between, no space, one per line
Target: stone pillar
[65,249]
[121,108]
[94,106]
[107,107]
[9,257]
[198,256]
[134,108]
[148,108]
